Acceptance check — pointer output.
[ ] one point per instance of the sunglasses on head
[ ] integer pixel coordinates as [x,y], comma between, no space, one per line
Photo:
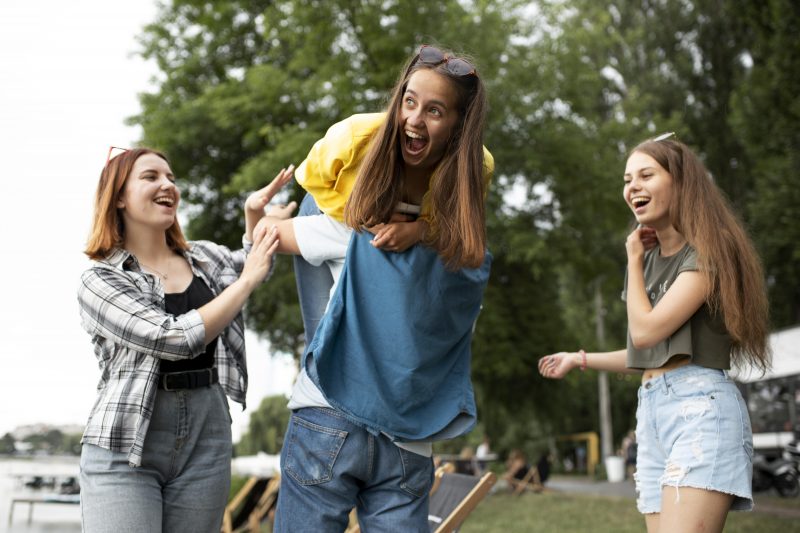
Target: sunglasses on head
[430,55]
[114,151]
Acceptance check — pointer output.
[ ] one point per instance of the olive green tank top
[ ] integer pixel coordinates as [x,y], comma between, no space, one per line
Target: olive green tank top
[703,337]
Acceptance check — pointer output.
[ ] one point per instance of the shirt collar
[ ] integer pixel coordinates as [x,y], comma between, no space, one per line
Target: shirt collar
[120,257]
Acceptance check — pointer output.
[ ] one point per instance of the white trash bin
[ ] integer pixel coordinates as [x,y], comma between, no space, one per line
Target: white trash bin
[615,468]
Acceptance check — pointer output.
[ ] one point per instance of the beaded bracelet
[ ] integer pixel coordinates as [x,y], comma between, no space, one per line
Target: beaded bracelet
[583,360]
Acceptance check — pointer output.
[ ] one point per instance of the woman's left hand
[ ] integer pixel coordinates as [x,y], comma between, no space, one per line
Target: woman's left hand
[398,236]
[640,240]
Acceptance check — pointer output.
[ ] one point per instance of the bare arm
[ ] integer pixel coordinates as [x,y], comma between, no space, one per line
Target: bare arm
[558,365]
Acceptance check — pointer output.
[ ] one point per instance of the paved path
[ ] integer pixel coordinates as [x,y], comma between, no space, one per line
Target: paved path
[587,485]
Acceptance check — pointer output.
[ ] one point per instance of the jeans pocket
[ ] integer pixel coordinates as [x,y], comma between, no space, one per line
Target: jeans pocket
[417,473]
[311,451]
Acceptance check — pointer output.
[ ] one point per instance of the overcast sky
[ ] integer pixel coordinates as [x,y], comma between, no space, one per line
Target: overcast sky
[68,80]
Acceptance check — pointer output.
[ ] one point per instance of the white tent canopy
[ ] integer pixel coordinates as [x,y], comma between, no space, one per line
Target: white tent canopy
[785,357]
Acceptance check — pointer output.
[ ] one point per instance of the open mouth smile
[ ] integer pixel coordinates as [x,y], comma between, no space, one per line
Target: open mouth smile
[639,201]
[166,201]
[415,142]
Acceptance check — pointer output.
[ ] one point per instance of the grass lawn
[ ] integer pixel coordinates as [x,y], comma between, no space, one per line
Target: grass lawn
[561,513]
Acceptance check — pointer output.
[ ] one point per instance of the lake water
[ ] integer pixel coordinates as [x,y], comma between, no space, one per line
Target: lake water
[47,517]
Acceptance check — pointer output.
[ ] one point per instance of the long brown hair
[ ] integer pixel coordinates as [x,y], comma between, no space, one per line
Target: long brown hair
[108,231]
[458,219]
[726,257]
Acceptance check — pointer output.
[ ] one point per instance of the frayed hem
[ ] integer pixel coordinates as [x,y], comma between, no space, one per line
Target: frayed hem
[741,502]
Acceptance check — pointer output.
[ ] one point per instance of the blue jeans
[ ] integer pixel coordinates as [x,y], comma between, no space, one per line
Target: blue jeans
[313,282]
[330,465]
[185,476]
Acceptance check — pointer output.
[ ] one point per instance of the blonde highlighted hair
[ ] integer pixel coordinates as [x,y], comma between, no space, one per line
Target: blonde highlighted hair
[108,229]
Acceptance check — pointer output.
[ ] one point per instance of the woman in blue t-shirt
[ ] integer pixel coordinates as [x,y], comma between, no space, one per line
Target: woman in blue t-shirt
[696,304]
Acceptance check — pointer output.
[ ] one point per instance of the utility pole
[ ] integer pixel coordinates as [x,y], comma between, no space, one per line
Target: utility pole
[606,438]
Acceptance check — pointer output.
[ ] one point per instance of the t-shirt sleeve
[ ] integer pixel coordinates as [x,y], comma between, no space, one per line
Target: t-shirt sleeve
[319,173]
[320,238]
[689,262]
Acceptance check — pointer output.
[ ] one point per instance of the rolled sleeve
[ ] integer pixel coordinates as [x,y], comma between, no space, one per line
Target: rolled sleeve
[113,307]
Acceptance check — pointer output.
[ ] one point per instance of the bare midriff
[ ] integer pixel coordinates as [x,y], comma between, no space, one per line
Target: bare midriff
[676,362]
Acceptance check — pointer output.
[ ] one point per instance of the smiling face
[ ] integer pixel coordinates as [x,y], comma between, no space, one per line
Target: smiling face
[648,190]
[149,198]
[428,116]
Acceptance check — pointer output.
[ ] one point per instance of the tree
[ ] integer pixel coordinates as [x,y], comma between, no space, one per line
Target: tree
[266,428]
[767,113]
[7,444]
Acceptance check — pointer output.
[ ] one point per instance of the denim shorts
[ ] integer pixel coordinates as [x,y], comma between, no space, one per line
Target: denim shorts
[693,430]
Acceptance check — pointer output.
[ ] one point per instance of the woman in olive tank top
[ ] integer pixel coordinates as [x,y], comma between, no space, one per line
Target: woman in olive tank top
[696,305]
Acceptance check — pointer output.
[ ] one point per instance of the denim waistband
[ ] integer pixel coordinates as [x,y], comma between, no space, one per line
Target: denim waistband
[681,374]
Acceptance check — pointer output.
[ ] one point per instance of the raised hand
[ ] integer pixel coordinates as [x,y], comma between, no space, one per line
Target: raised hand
[259,199]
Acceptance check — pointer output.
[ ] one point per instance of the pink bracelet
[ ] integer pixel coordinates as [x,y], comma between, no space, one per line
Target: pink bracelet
[583,360]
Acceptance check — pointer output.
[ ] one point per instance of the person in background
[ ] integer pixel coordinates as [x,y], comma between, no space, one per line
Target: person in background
[696,305]
[164,317]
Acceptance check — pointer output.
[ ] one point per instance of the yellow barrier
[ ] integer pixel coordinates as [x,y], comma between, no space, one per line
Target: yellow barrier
[592,448]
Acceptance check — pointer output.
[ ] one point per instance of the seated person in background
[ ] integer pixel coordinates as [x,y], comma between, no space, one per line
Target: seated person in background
[517,467]
[467,463]
[543,467]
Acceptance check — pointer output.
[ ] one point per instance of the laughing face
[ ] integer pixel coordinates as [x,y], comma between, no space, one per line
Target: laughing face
[149,197]
[428,115]
[648,190]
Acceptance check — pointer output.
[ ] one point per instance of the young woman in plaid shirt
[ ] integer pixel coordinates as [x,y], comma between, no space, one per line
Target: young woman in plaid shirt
[164,315]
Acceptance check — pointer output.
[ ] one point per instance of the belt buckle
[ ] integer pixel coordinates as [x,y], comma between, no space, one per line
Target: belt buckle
[164,383]
[210,376]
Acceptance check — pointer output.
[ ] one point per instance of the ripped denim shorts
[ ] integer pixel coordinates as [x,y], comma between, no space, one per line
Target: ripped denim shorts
[693,430]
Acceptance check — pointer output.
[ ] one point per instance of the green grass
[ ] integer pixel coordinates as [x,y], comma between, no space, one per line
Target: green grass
[561,513]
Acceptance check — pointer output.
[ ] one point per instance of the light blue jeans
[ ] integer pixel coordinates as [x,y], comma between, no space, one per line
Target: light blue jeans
[330,465]
[693,430]
[185,476]
[313,282]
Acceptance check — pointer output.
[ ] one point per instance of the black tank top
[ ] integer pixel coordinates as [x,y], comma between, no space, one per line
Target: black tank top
[196,295]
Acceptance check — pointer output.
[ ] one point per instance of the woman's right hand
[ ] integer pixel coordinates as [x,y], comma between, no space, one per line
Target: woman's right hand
[557,365]
[259,260]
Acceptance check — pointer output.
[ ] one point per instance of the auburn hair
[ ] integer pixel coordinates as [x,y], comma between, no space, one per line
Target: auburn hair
[108,228]
[726,257]
[457,217]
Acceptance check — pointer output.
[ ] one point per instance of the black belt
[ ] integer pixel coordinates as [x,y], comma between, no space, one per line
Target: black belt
[190,379]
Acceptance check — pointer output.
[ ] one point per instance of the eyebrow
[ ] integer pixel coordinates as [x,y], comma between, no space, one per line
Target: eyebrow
[438,102]
[169,174]
[640,170]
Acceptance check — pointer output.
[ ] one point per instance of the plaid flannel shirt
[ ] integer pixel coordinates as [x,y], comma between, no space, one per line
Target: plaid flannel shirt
[122,308]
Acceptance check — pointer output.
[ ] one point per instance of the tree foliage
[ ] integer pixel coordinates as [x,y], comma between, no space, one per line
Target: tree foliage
[266,427]
[246,87]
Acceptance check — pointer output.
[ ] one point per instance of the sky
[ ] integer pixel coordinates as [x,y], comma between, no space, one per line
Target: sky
[69,78]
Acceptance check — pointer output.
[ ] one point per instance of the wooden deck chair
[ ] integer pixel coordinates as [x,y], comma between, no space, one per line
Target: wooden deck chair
[263,508]
[446,468]
[243,503]
[531,481]
[250,505]
[455,498]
